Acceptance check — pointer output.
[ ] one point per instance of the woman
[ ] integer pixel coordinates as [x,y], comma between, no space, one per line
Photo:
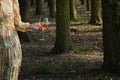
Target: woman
[10,48]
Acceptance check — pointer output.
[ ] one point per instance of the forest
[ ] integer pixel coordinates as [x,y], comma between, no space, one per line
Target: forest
[81,41]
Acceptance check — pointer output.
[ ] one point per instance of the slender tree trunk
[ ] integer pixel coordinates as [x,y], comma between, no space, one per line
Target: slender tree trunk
[82,2]
[52,7]
[88,5]
[73,12]
[96,17]
[111,35]
[39,7]
[32,2]
[63,38]
[24,11]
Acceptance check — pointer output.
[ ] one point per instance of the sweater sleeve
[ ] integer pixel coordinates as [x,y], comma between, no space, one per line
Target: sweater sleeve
[20,26]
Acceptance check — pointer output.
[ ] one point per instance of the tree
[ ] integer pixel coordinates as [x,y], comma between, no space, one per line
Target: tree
[32,2]
[88,5]
[73,12]
[39,7]
[63,38]
[52,7]
[24,11]
[96,17]
[111,35]
[82,2]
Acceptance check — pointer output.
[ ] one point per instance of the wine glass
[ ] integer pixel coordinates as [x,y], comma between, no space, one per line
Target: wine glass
[44,27]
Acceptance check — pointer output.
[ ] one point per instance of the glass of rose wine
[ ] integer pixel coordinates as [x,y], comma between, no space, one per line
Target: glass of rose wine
[44,27]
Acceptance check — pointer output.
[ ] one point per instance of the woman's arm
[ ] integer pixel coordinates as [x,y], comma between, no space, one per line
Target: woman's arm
[21,26]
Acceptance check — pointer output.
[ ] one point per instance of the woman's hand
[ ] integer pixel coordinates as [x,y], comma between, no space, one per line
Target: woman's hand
[35,26]
[43,26]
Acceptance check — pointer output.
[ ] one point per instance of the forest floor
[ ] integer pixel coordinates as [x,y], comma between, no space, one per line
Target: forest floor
[83,63]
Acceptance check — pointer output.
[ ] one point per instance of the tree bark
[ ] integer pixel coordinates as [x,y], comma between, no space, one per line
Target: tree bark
[32,2]
[24,11]
[88,5]
[52,7]
[63,39]
[73,12]
[82,2]
[39,7]
[111,35]
[96,17]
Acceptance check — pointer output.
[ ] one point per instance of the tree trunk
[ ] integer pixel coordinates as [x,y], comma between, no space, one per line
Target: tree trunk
[24,11]
[63,38]
[73,12]
[111,35]
[88,5]
[32,2]
[82,2]
[96,17]
[52,7]
[39,7]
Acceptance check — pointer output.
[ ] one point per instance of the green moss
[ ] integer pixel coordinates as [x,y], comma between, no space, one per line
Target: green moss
[79,78]
[77,20]
[82,63]
[43,69]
